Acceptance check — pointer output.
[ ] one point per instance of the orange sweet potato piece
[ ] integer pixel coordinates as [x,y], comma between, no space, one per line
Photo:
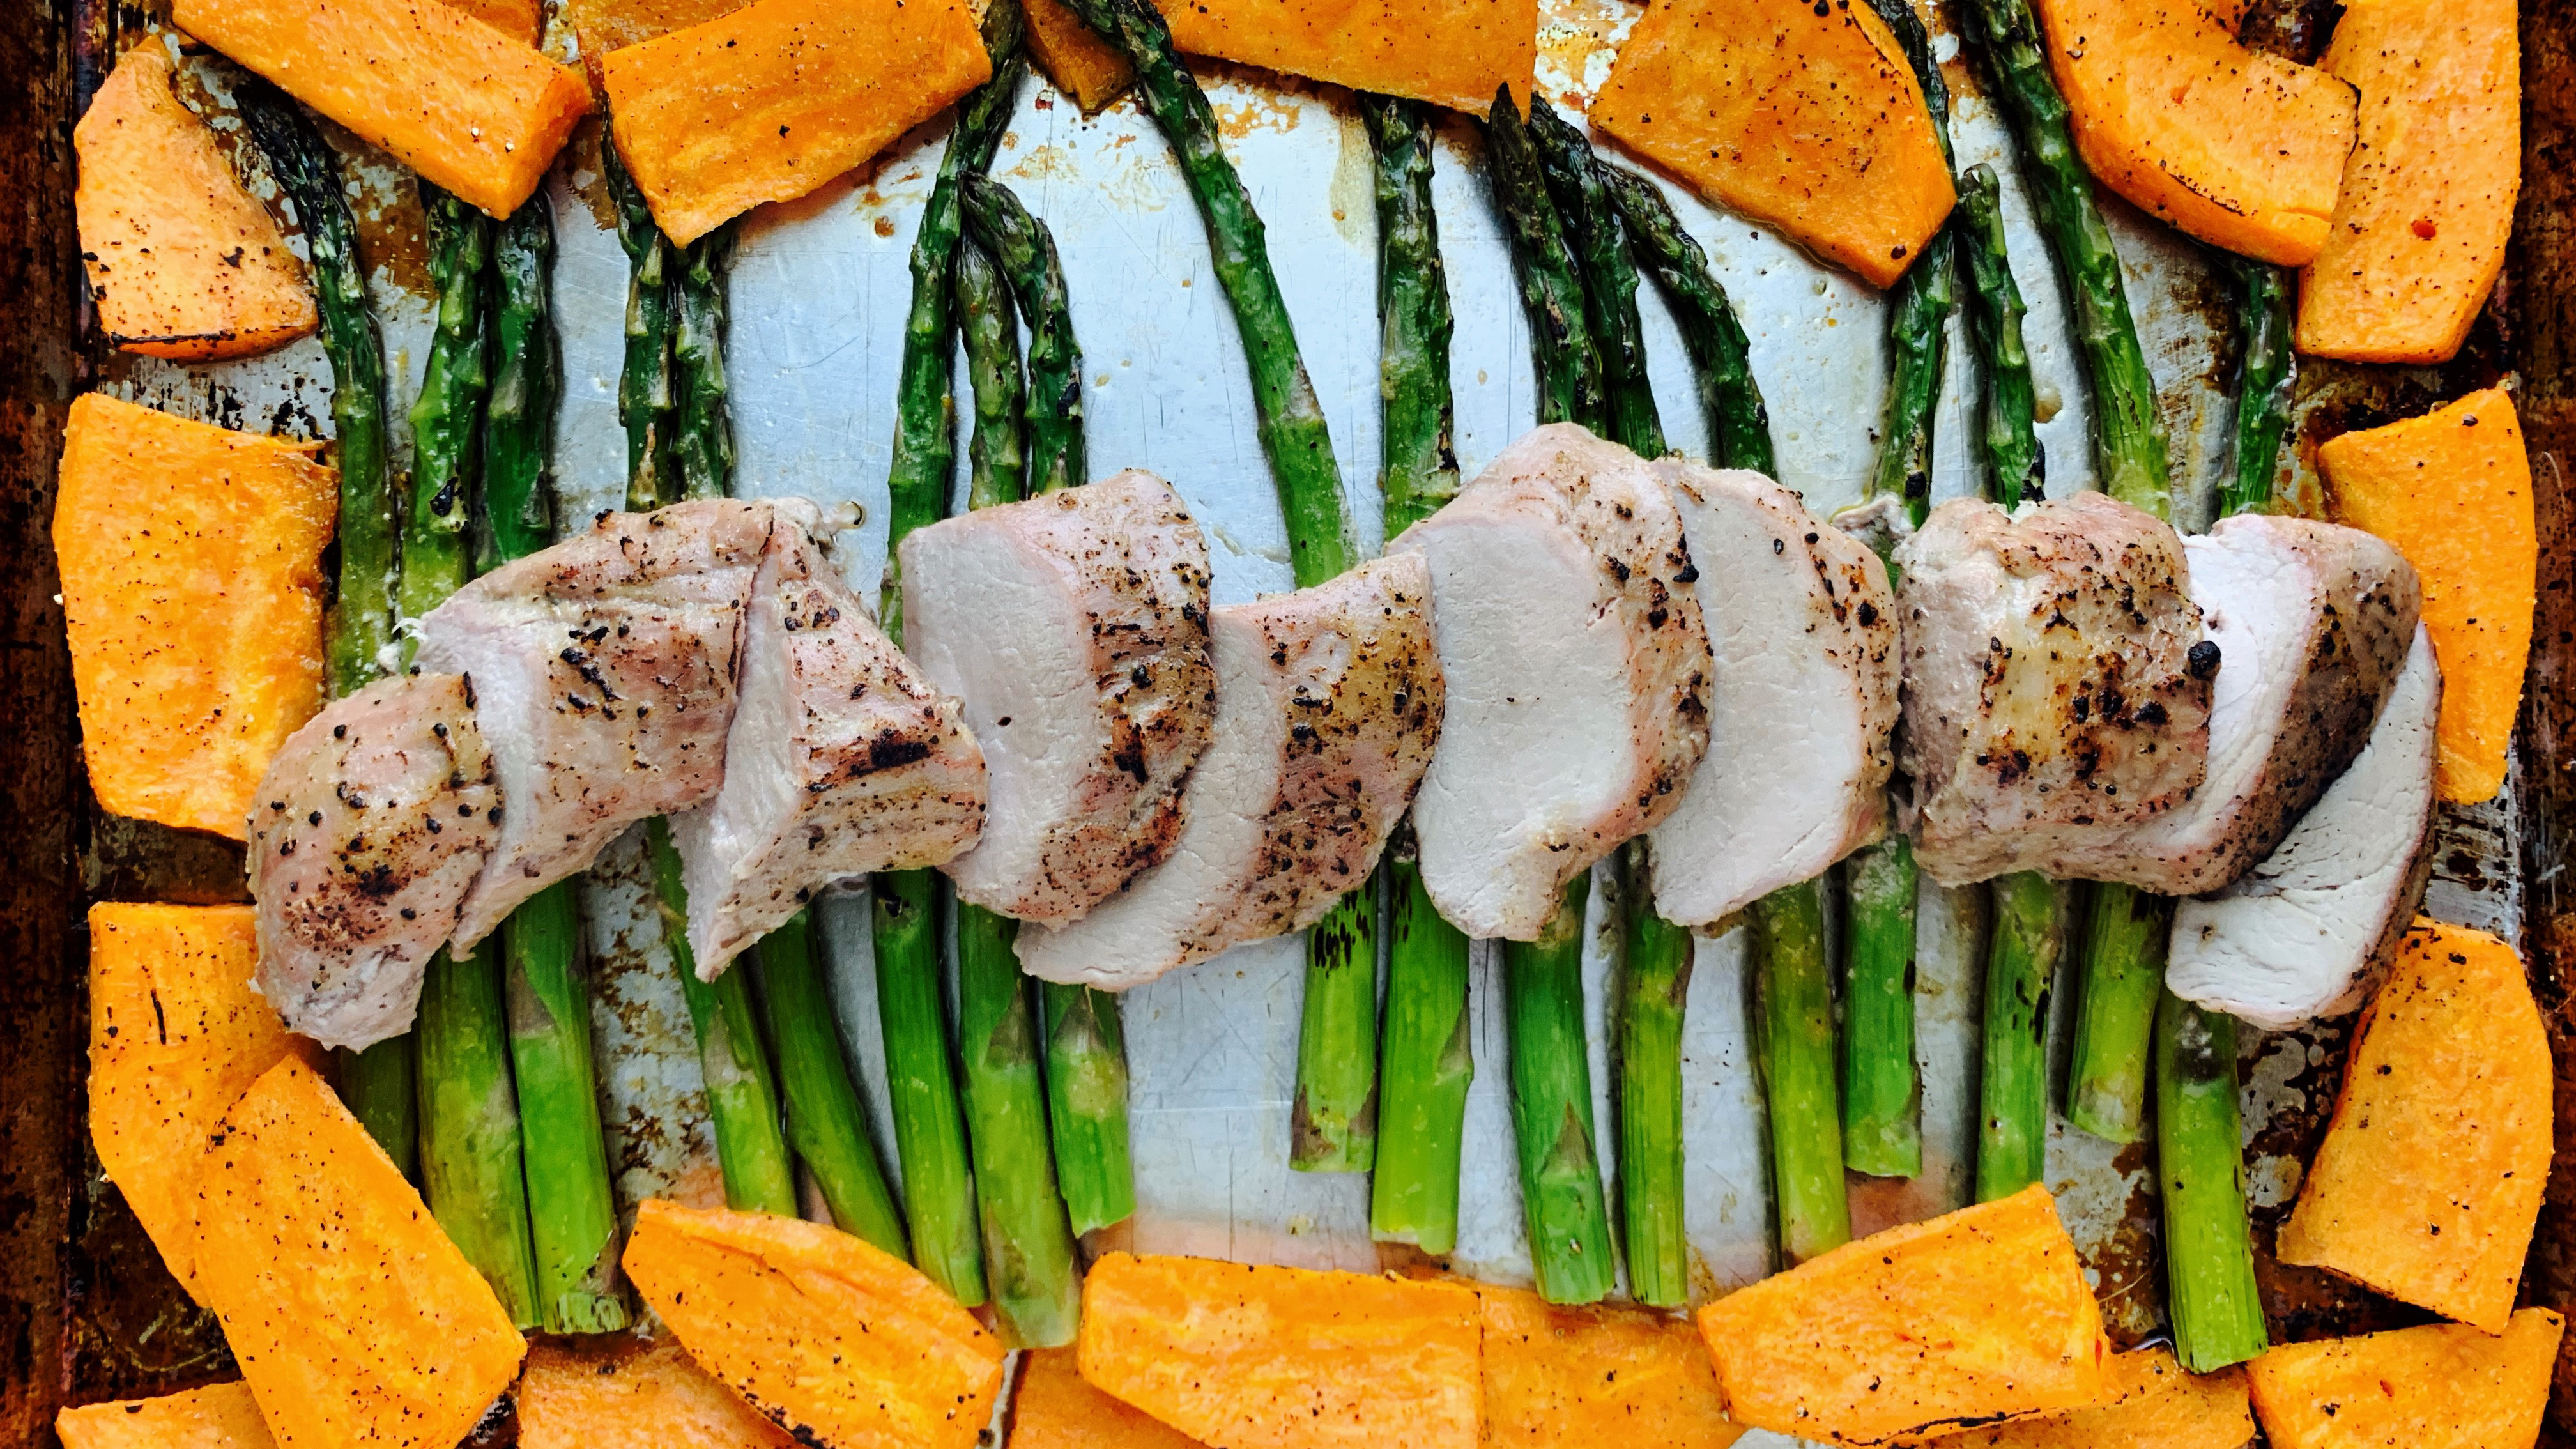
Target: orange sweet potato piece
[773,100]
[1056,1409]
[1588,1378]
[176,1035]
[1450,53]
[1809,121]
[182,261]
[521,20]
[1979,1315]
[2426,206]
[355,1319]
[2159,1407]
[1284,1358]
[2241,149]
[2441,1386]
[192,582]
[2452,491]
[2428,1182]
[469,108]
[1081,64]
[817,1330]
[606,25]
[218,1416]
[626,1393]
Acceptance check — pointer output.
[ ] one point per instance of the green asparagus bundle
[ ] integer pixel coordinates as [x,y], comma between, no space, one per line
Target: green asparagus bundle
[1543,264]
[1569,1220]
[1739,426]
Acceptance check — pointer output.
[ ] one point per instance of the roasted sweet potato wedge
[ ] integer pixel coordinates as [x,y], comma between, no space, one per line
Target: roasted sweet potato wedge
[622,1392]
[1081,64]
[2452,490]
[1452,53]
[218,1416]
[773,100]
[606,25]
[355,1319]
[1056,1409]
[2160,1406]
[2441,1386]
[192,583]
[2429,1179]
[1285,1358]
[832,1340]
[176,1035]
[521,20]
[1975,1317]
[1589,1378]
[1807,120]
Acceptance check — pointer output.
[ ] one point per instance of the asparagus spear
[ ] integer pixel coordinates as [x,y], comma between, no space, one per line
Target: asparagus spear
[2200,1170]
[1882,1082]
[1793,986]
[1721,355]
[1021,246]
[997,465]
[1593,233]
[527,382]
[2124,971]
[1561,333]
[1918,314]
[702,434]
[825,1123]
[1418,471]
[1332,1115]
[647,381]
[1654,986]
[2265,378]
[1569,1221]
[447,418]
[2012,1090]
[380,1084]
[2016,466]
[742,1096]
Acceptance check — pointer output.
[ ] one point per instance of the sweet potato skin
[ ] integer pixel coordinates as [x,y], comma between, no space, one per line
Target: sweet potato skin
[2441,1386]
[355,1320]
[773,100]
[176,1035]
[2241,149]
[2452,491]
[1452,53]
[218,1416]
[1587,1378]
[1081,64]
[1284,1358]
[2426,205]
[624,1392]
[1811,122]
[1056,1409]
[192,584]
[2160,1406]
[827,1337]
[2429,1179]
[476,111]
[1976,1316]
[182,261]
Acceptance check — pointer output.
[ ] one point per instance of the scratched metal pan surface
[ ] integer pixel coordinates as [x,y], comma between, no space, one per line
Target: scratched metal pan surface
[819,290]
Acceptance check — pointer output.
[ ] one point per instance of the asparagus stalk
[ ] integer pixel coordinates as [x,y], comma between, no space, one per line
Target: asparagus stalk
[1543,264]
[1569,1220]
[1918,314]
[380,1084]
[2016,466]
[1654,985]
[2264,383]
[1721,355]
[1418,471]
[702,434]
[2124,972]
[447,418]
[527,383]
[997,464]
[742,1096]
[1882,1082]
[2012,1090]
[1593,233]
[1021,246]
[1028,1241]
[1332,1116]
[647,381]
[825,1123]
[1793,987]
[2200,1169]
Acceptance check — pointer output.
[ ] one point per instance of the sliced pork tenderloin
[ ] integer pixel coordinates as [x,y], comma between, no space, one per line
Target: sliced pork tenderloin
[1328,703]
[1074,626]
[2314,621]
[603,669]
[1577,668]
[2306,932]
[841,761]
[2057,684]
[370,825]
[1801,702]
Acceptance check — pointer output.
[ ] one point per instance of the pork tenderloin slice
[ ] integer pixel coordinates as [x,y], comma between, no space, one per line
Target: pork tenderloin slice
[2057,685]
[1577,666]
[603,669]
[368,829]
[1801,701]
[1074,626]
[2314,621]
[841,761]
[2306,932]
[1327,706]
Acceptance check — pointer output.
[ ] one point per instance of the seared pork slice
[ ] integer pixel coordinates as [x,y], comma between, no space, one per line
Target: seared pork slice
[1327,705]
[1075,628]
[1801,703]
[2314,621]
[368,828]
[1570,635]
[2056,683]
[2306,932]
[841,760]
[603,671]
